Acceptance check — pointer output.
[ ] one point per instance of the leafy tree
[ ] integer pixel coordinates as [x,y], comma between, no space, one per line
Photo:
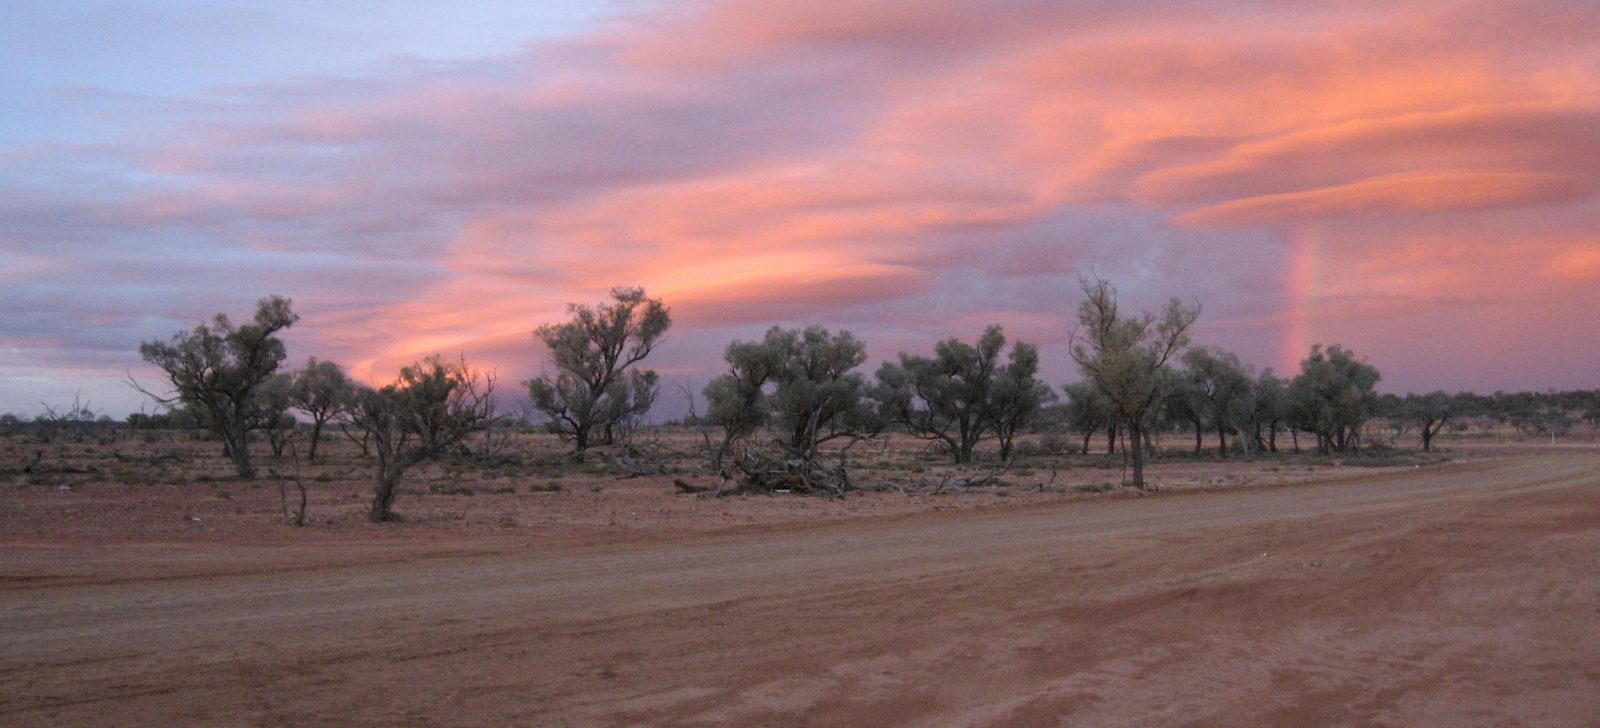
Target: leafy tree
[817,396]
[1184,403]
[737,401]
[964,393]
[273,403]
[1220,386]
[800,381]
[597,396]
[1019,397]
[1088,411]
[1269,407]
[1332,397]
[322,391]
[1430,412]
[430,408]
[216,369]
[1124,355]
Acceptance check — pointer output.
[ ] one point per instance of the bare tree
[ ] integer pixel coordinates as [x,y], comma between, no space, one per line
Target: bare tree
[1124,355]
[74,419]
[428,410]
[216,368]
[596,394]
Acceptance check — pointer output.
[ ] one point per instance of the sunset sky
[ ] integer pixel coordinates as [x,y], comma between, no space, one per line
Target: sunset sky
[1413,180]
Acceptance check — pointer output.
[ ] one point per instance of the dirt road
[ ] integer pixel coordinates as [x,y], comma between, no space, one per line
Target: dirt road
[1460,595]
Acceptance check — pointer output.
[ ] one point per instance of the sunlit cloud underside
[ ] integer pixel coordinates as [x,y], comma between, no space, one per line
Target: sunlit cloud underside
[1413,180]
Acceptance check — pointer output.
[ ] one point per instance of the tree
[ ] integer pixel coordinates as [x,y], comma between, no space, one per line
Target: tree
[1430,412]
[1088,411]
[964,393]
[737,401]
[216,369]
[817,396]
[322,391]
[430,408]
[597,395]
[1269,402]
[801,382]
[1184,402]
[1221,386]
[1124,355]
[273,403]
[1332,397]
[1018,397]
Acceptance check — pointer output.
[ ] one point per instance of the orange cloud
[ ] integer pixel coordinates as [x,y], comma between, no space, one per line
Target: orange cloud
[862,164]
[1401,193]
[1577,266]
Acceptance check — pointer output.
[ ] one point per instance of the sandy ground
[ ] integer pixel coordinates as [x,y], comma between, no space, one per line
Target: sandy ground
[1464,594]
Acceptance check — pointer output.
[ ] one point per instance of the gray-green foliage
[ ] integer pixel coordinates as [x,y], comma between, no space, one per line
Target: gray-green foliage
[1221,391]
[430,408]
[1018,398]
[1269,407]
[321,390]
[274,400]
[799,381]
[1332,397]
[1088,411]
[1124,355]
[737,401]
[597,395]
[964,394]
[217,368]
[1430,411]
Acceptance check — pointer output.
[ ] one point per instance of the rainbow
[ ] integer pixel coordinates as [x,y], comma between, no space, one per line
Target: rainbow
[1299,283]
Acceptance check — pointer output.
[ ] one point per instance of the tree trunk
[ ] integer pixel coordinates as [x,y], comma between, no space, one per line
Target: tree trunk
[1134,433]
[1199,434]
[239,453]
[383,497]
[1222,440]
[1111,437]
[316,435]
[1087,436]
[963,452]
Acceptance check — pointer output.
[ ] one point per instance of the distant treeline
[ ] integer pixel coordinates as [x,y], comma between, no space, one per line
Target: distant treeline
[786,394]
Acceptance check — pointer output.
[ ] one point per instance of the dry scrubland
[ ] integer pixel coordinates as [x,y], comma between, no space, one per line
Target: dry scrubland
[143,584]
[167,485]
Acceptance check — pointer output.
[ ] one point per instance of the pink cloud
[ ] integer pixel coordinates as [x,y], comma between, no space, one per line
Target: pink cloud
[1417,192]
[891,167]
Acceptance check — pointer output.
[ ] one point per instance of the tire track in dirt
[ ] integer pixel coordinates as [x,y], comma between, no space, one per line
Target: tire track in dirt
[1113,611]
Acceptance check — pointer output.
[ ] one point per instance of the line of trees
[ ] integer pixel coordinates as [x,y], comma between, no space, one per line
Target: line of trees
[1140,377]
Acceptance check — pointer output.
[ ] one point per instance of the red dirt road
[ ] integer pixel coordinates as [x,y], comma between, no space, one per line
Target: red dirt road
[1460,595]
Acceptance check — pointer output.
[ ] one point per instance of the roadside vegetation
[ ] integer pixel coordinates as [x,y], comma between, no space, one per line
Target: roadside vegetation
[793,413]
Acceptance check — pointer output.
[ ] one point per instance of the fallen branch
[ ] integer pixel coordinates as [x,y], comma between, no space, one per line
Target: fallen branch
[690,487]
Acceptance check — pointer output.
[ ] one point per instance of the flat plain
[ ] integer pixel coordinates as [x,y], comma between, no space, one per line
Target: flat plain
[1459,592]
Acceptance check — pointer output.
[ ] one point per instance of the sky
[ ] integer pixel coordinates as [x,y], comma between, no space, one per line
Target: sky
[1415,181]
